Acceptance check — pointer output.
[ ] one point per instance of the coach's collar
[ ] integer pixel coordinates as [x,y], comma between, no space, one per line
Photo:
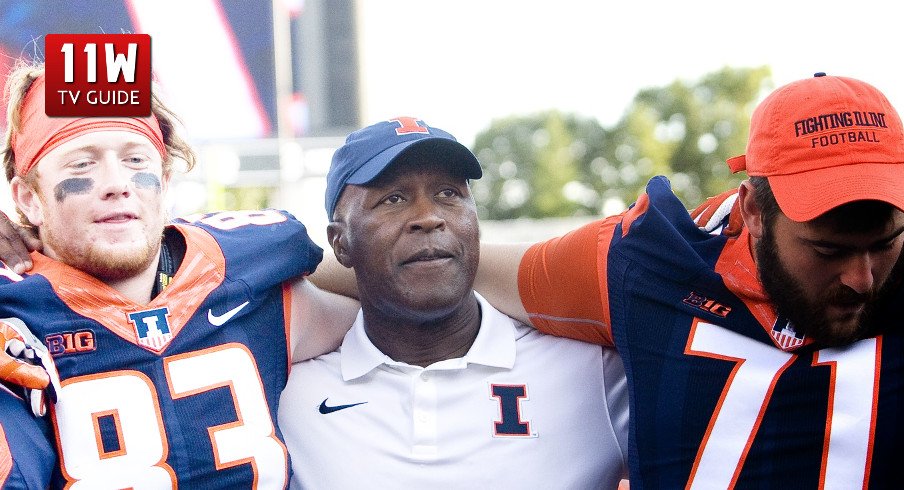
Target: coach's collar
[494,347]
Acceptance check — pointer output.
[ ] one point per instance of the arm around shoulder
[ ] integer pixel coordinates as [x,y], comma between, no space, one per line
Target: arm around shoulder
[335,277]
[318,319]
[497,277]
[558,286]
[15,244]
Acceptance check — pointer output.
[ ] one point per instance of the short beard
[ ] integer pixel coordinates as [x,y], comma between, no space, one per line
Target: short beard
[102,264]
[808,316]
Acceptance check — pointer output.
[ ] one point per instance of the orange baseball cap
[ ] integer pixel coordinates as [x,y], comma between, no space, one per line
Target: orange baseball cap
[823,142]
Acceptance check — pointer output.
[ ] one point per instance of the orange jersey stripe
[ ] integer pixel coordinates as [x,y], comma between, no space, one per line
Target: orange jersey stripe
[705,211]
[739,272]
[6,458]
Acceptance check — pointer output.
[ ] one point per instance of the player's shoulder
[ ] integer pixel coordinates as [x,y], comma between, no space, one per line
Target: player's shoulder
[260,239]
[262,224]
[657,221]
[658,204]
[660,218]
[19,294]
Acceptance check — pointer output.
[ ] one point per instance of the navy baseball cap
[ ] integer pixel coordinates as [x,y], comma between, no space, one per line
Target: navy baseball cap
[369,151]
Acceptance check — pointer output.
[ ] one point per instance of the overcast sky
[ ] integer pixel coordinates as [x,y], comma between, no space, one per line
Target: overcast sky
[459,64]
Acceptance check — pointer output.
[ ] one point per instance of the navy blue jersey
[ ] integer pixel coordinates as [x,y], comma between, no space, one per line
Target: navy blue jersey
[183,390]
[723,392]
[27,457]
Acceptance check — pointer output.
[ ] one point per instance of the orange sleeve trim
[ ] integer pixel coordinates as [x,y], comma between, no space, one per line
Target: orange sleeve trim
[640,207]
[6,458]
[287,319]
[563,283]
[705,211]
[735,221]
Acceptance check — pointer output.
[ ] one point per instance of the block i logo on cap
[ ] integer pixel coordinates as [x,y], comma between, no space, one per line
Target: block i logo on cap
[104,75]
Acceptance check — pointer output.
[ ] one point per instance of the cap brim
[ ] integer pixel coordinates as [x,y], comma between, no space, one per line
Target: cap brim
[806,195]
[459,156]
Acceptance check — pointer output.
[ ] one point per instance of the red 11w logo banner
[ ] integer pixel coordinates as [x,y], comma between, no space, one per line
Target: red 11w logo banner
[105,75]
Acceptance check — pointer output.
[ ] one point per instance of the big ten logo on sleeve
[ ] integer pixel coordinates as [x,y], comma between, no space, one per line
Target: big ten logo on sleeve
[106,75]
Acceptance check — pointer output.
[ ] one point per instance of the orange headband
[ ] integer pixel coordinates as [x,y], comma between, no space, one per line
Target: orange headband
[38,134]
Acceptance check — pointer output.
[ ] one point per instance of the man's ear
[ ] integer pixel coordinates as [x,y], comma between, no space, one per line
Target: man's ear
[750,210]
[336,234]
[27,200]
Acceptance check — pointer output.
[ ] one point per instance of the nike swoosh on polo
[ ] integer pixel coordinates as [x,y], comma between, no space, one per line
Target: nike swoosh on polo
[325,409]
[217,320]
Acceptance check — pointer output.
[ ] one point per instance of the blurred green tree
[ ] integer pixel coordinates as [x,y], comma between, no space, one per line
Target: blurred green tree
[553,164]
[534,166]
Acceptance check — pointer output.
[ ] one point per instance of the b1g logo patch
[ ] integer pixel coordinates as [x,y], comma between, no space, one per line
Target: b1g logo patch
[105,75]
[697,300]
[65,343]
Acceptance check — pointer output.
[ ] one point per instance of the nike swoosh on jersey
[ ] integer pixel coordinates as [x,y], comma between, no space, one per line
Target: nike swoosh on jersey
[325,409]
[217,320]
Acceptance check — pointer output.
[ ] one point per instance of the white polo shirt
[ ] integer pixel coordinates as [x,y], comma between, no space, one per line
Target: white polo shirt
[519,410]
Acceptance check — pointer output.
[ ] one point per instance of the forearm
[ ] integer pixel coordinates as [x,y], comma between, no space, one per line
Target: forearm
[497,277]
[334,277]
[318,320]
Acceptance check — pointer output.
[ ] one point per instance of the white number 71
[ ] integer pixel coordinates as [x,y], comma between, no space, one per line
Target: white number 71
[849,423]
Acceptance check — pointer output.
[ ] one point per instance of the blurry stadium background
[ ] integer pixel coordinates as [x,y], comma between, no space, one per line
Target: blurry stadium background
[267,89]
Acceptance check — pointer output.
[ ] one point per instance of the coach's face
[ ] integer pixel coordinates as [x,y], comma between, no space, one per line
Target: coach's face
[412,237]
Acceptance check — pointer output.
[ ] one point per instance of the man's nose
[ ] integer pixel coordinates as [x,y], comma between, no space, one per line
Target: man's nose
[116,179]
[426,217]
[858,273]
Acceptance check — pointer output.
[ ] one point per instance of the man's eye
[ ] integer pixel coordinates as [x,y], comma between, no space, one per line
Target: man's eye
[137,160]
[393,199]
[883,247]
[827,252]
[448,193]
